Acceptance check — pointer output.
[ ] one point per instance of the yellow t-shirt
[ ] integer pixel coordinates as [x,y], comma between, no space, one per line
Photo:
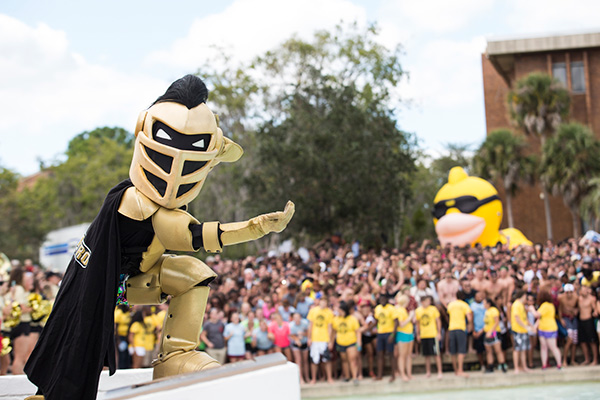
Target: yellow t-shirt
[385,316]
[401,316]
[122,319]
[150,324]
[159,318]
[457,311]
[547,320]
[346,330]
[427,318]
[518,308]
[141,336]
[489,319]
[320,318]
[595,278]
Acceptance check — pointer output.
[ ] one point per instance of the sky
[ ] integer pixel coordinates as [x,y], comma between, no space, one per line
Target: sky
[70,66]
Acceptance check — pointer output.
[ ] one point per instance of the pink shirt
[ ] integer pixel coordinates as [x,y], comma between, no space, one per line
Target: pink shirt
[281,333]
[268,311]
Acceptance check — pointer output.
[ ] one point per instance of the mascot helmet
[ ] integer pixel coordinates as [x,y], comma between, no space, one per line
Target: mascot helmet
[178,142]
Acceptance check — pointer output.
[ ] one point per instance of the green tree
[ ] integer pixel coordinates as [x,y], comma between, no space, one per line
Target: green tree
[569,160]
[416,205]
[590,205]
[75,189]
[454,155]
[68,192]
[21,231]
[501,157]
[538,104]
[331,143]
[232,97]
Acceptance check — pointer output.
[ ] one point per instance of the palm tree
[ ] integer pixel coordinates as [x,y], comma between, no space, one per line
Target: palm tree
[502,157]
[538,105]
[590,206]
[570,159]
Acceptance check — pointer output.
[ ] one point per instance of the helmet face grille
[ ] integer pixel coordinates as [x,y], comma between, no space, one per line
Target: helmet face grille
[162,160]
[192,166]
[159,184]
[183,189]
[175,149]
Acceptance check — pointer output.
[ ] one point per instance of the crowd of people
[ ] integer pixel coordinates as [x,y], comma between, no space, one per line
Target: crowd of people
[343,312]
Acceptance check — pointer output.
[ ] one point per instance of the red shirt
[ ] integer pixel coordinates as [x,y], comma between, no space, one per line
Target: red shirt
[281,333]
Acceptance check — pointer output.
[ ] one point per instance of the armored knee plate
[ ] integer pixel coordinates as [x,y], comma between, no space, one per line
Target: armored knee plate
[171,275]
[178,274]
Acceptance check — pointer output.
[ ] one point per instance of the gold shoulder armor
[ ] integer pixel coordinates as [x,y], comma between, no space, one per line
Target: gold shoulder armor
[136,206]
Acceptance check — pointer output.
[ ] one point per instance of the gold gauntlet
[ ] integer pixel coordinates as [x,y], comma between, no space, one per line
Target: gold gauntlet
[257,227]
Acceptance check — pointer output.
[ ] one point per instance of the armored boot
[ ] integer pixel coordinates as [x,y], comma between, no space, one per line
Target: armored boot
[181,336]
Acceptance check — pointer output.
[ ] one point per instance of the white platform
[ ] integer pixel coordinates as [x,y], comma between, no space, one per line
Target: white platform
[267,377]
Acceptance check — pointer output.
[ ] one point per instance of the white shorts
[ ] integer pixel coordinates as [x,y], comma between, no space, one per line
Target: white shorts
[318,352]
[138,351]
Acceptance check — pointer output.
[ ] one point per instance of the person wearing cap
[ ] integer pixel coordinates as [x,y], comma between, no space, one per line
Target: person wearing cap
[568,310]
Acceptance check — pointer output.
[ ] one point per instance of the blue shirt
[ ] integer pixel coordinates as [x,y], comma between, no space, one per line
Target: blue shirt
[262,339]
[235,345]
[478,314]
[301,328]
[303,307]
[286,315]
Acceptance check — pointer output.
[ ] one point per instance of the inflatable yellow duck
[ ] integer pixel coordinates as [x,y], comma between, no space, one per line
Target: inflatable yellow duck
[467,210]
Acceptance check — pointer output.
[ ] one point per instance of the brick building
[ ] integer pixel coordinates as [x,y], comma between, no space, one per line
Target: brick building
[575,61]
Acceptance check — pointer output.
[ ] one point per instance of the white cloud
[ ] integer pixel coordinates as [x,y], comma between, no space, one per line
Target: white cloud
[251,27]
[48,94]
[435,15]
[553,16]
[446,73]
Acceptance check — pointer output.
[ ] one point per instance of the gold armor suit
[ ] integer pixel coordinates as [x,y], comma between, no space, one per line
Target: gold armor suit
[159,193]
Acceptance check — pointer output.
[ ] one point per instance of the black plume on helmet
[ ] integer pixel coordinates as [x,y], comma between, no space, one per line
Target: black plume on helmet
[189,91]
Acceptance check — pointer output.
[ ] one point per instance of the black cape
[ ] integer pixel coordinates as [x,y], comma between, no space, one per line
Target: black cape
[78,339]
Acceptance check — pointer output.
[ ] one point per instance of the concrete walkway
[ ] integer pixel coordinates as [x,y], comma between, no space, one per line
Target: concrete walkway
[477,380]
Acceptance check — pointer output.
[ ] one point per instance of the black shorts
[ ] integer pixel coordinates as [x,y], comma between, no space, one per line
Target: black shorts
[342,349]
[478,344]
[23,329]
[367,339]
[383,342]
[303,346]
[458,342]
[430,347]
[587,331]
[35,328]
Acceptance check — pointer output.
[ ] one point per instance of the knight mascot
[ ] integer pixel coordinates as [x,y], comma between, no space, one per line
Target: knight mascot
[123,255]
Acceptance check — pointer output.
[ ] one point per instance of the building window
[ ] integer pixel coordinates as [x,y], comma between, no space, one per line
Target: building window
[577,77]
[559,71]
